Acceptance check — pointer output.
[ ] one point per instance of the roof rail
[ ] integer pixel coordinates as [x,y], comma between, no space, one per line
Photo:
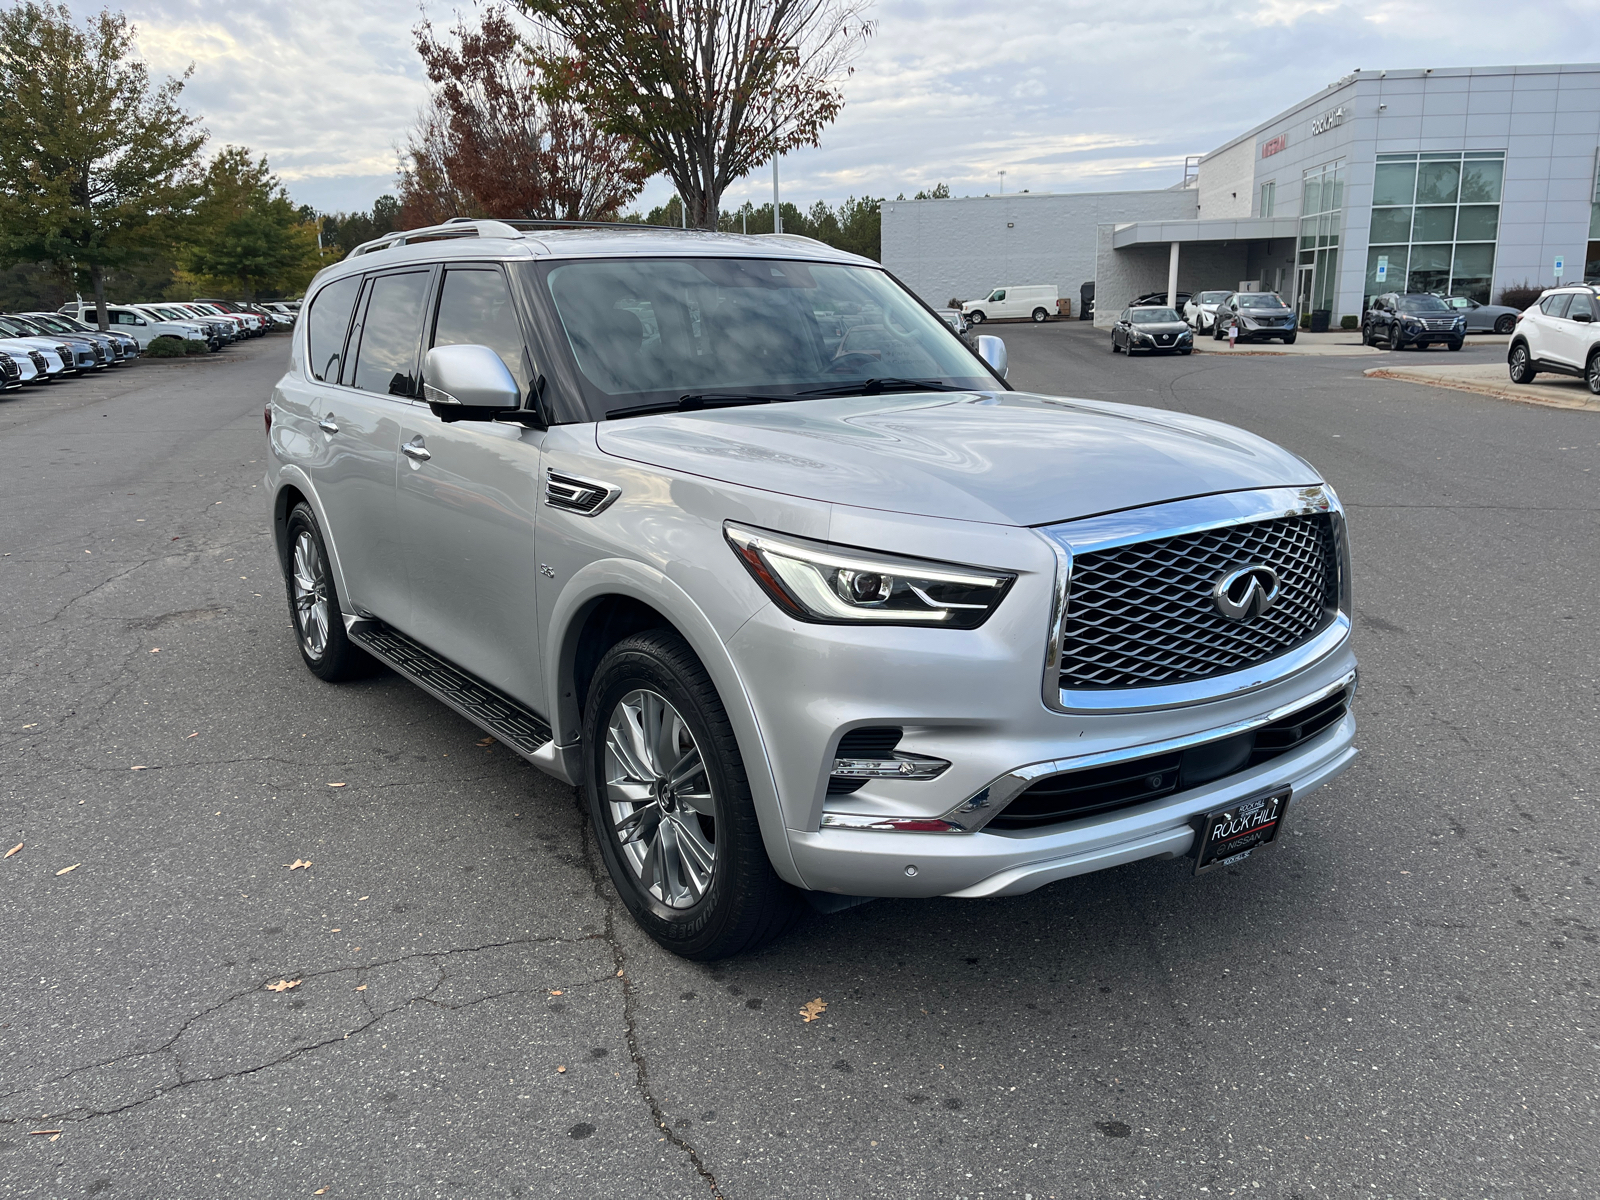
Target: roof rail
[456,227]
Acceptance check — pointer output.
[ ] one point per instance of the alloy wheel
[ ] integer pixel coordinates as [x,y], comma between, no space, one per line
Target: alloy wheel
[659,799]
[310,594]
[1593,374]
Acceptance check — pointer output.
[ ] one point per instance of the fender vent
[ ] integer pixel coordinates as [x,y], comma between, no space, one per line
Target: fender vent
[570,492]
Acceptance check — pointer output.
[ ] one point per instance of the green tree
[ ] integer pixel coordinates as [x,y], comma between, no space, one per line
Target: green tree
[709,89]
[96,162]
[246,234]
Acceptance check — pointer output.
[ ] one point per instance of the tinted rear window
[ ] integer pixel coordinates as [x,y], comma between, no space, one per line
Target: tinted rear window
[330,320]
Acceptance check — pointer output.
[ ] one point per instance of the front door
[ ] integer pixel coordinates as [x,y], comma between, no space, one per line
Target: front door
[1575,331]
[467,497]
[1303,282]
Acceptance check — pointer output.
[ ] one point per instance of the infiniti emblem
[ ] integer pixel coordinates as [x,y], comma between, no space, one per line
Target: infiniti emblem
[1245,592]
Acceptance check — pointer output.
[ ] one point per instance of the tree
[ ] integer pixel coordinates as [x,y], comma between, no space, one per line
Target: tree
[96,162]
[493,140]
[709,89]
[246,233]
[343,232]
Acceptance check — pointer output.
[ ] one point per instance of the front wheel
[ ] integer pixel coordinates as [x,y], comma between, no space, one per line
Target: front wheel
[1521,364]
[1040,316]
[975,317]
[670,804]
[1505,324]
[1591,373]
[1395,341]
[1455,345]
[1289,339]
[314,605]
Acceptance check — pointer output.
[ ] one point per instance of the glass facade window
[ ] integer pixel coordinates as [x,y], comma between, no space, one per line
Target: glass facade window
[1591,266]
[1435,221]
[1321,217]
[1269,198]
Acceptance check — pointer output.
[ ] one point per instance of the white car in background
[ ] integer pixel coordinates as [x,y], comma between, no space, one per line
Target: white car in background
[1201,309]
[1033,301]
[141,327]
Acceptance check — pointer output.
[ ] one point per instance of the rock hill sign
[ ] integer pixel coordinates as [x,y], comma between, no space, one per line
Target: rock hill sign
[1328,121]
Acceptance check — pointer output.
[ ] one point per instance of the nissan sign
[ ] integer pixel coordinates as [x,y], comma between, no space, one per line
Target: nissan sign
[1268,149]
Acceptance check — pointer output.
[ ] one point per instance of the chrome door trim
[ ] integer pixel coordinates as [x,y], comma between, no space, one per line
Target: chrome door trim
[990,800]
[1176,519]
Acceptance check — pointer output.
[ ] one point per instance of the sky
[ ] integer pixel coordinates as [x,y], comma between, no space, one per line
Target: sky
[1061,95]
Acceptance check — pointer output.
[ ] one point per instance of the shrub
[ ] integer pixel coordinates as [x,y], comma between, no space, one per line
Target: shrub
[1305,320]
[1349,322]
[194,346]
[954,303]
[1520,295]
[166,346]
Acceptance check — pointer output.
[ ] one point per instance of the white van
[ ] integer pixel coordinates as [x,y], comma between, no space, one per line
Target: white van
[1037,301]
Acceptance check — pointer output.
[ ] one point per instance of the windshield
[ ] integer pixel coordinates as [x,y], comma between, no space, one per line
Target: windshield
[56,324]
[1211,297]
[1260,300]
[651,331]
[1152,316]
[1422,304]
[15,328]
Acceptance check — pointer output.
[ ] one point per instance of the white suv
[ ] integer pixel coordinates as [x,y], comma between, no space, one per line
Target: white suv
[739,537]
[1561,334]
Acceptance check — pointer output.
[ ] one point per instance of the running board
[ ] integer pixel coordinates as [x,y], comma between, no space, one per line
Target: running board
[517,726]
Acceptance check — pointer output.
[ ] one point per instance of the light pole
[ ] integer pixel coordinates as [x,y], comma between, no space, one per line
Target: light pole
[1002,183]
[777,212]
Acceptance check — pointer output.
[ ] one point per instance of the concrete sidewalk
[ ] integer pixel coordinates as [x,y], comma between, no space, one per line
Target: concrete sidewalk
[1491,379]
[1339,343]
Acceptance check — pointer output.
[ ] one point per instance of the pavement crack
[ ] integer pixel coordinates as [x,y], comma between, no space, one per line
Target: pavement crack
[598,879]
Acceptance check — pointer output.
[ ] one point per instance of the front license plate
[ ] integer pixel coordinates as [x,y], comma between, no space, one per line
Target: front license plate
[1230,835]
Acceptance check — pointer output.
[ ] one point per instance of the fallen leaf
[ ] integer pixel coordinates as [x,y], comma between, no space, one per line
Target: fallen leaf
[619,972]
[359,899]
[73,867]
[139,768]
[196,733]
[336,785]
[321,1191]
[298,863]
[335,931]
[561,1070]
[157,650]
[35,725]
[488,741]
[362,988]
[37,1132]
[557,992]
[15,848]
[283,985]
[812,1009]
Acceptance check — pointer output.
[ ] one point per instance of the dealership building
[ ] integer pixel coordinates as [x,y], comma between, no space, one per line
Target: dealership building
[1459,181]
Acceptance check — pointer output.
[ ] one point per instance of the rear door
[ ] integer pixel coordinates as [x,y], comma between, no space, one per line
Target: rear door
[467,498]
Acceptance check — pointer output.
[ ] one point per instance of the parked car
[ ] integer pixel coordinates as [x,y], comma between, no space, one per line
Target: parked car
[1258,317]
[1396,320]
[215,332]
[128,347]
[39,361]
[11,376]
[1151,329]
[141,326]
[1033,301]
[1200,310]
[1485,318]
[789,604]
[108,351]
[79,355]
[1560,334]
[1159,300]
[253,323]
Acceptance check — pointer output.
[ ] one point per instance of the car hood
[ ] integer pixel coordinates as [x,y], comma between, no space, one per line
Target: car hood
[1256,314]
[1008,458]
[1158,326]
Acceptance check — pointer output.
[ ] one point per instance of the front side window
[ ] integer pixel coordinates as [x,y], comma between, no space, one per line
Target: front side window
[330,321]
[656,330]
[1556,305]
[475,309]
[998,296]
[391,333]
[1582,307]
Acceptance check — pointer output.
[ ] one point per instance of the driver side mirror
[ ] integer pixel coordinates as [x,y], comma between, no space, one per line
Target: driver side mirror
[1586,318]
[993,351]
[467,383]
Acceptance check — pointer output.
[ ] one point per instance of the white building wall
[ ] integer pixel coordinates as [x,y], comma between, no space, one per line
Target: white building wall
[963,249]
[1228,183]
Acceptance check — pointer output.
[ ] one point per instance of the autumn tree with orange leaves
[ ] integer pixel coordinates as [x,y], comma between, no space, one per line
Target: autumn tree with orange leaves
[495,141]
[710,90]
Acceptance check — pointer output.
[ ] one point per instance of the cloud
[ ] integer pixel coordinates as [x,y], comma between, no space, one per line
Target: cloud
[1060,94]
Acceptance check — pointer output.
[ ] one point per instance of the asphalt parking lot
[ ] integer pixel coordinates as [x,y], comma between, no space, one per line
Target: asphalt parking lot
[1399,1001]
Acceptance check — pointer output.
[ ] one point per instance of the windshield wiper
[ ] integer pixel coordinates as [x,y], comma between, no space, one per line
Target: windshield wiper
[875,387]
[693,402]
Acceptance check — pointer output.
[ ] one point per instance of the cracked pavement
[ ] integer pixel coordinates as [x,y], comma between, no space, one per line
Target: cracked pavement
[1400,1000]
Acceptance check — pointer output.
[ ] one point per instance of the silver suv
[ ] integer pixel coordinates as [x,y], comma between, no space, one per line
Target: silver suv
[738,536]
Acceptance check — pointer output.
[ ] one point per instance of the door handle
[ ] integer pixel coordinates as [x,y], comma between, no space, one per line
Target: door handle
[415,449]
[327,424]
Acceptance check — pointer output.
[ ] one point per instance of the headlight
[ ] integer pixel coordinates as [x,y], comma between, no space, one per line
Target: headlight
[815,581]
[1187,333]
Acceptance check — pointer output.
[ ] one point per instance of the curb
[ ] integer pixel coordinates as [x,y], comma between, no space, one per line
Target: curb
[1485,389]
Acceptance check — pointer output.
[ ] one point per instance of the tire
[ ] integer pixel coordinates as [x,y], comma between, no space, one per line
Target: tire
[1190,350]
[975,317]
[1457,344]
[1040,316]
[1115,349]
[1289,341]
[1216,331]
[1395,340]
[737,903]
[1591,373]
[314,606]
[1521,364]
[1505,324]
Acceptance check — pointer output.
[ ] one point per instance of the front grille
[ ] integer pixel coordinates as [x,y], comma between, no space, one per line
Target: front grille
[1438,324]
[1142,615]
[1076,794]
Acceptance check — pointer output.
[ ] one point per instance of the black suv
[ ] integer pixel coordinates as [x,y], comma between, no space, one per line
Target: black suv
[1398,320]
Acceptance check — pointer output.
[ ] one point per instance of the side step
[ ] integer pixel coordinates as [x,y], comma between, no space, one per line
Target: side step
[517,726]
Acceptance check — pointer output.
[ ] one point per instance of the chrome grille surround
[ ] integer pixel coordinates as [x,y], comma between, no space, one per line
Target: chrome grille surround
[1187,659]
